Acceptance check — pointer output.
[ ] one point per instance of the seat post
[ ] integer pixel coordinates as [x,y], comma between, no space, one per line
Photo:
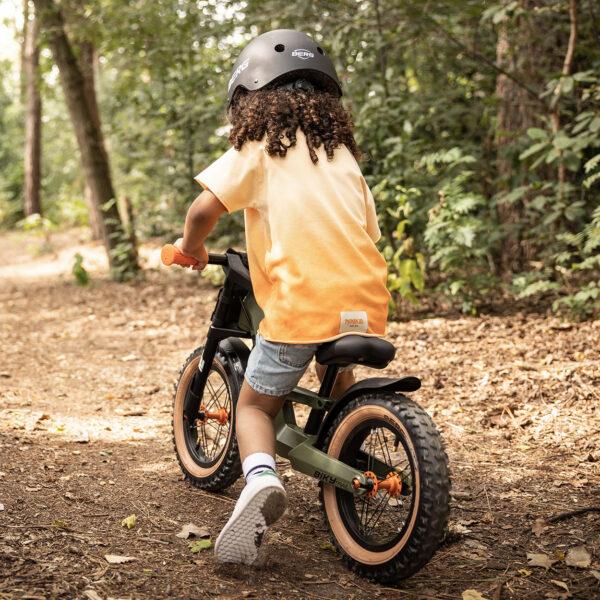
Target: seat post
[315,418]
[328,381]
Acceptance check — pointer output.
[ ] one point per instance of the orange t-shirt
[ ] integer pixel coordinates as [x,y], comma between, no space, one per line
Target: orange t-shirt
[310,235]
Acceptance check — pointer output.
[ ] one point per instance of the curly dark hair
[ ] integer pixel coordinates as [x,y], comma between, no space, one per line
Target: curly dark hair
[276,114]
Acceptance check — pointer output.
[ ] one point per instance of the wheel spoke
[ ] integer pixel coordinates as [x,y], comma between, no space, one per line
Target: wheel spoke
[214,396]
[380,518]
[365,506]
[386,450]
[380,503]
[216,442]
[204,442]
[385,505]
[371,449]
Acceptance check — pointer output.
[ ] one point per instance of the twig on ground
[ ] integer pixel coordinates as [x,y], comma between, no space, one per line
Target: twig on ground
[572,513]
[498,590]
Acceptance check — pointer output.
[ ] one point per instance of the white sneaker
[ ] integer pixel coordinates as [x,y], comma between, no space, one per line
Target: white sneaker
[260,504]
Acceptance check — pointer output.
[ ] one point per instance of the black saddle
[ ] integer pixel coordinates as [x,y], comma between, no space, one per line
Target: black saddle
[369,351]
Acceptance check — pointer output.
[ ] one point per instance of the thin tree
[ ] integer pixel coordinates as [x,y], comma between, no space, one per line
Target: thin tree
[33,113]
[87,57]
[121,251]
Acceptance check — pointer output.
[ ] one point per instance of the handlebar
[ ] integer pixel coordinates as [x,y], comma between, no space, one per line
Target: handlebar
[171,255]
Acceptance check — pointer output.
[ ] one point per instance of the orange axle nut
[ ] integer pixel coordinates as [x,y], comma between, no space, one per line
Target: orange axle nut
[373,491]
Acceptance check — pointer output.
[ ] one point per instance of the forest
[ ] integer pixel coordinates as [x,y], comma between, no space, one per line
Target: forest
[478,120]
[479,127]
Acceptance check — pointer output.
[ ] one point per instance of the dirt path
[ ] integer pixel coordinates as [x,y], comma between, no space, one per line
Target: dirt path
[86,379]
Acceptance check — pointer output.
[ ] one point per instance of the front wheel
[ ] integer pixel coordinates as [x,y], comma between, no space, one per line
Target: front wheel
[206,446]
[391,532]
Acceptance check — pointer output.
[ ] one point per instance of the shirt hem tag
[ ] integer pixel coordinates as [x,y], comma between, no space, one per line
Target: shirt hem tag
[354,321]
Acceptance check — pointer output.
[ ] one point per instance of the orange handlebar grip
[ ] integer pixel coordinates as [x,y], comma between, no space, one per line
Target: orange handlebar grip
[170,255]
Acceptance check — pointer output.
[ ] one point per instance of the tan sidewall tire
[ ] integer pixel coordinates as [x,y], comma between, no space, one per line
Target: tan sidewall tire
[347,543]
[187,461]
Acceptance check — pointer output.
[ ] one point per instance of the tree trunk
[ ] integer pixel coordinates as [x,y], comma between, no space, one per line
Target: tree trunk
[33,115]
[122,254]
[555,102]
[86,62]
[515,52]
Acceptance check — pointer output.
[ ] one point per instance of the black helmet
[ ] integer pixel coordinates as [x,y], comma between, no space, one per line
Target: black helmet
[283,55]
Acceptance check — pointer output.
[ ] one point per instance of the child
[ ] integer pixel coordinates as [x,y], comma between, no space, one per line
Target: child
[311,229]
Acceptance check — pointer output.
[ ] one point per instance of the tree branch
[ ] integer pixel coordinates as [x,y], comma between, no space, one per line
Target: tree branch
[484,59]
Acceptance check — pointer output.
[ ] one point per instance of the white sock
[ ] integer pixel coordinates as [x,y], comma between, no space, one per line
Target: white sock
[257,463]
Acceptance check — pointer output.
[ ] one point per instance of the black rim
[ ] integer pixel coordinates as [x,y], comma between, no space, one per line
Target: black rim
[377,523]
[207,441]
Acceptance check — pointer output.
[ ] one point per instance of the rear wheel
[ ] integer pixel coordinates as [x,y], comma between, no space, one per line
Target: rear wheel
[393,531]
[206,446]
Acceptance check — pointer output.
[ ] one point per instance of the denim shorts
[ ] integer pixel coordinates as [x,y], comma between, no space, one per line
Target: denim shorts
[275,369]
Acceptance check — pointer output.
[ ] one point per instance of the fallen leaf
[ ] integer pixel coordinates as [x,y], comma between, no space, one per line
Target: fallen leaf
[200,545]
[539,526]
[115,559]
[525,572]
[92,595]
[560,584]
[472,595]
[288,474]
[129,521]
[191,530]
[60,524]
[459,529]
[1,507]
[539,560]
[578,556]
[328,546]
[596,574]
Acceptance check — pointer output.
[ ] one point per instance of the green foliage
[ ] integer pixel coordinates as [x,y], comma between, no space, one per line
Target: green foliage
[123,253]
[214,275]
[406,265]
[40,226]
[463,206]
[82,277]
[460,232]
[11,167]
[564,216]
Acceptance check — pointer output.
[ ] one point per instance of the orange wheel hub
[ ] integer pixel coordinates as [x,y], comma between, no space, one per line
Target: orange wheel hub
[392,484]
[221,415]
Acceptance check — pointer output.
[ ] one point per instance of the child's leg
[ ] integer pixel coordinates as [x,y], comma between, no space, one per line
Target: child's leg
[345,379]
[254,430]
[272,372]
[263,500]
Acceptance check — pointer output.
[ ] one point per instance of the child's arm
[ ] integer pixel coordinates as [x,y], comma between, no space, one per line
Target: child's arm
[200,220]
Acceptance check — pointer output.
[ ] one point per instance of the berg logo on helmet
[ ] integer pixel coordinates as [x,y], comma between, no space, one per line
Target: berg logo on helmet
[303,53]
[237,72]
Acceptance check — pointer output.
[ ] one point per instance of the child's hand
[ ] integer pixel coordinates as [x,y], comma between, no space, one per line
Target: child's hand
[199,253]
